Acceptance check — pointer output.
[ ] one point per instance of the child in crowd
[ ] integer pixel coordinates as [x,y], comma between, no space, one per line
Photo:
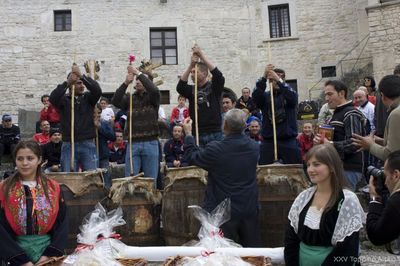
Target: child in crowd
[180,112]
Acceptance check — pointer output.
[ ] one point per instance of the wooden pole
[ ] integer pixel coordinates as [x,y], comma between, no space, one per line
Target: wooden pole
[72,166]
[92,67]
[196,113]
[130,90]
[271,89]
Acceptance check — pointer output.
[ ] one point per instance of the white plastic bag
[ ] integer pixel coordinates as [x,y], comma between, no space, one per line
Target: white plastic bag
[99,223]
[97,239]
[211,237]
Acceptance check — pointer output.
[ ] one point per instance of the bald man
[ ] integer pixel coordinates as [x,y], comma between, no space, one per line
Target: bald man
[366,107]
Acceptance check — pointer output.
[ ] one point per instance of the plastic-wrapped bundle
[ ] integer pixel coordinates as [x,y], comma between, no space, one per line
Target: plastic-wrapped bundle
[211,237]
[99,223]
[98,241]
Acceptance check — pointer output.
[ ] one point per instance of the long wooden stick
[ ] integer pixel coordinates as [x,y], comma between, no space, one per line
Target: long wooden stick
[273,121]
[196,114]
[271,89]
[72,166]
[73,128]
[130,89]
[92,67]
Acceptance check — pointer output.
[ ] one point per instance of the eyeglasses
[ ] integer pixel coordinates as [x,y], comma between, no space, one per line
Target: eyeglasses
[79,82]
[7,120]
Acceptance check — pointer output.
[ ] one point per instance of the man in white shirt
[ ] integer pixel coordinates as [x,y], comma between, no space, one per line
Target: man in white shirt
[366,107]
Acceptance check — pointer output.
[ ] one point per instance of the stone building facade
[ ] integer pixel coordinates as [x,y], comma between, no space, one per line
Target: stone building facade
[384,28]
[236,35]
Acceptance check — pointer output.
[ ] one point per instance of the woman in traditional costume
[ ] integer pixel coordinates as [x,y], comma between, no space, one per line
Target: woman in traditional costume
[325,219]
[33,223]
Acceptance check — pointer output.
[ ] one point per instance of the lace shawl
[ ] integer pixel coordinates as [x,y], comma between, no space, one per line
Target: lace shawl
[350,219]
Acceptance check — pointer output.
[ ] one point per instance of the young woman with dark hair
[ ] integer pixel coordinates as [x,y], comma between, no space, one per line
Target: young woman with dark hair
[369,82]
[33,223]
[324,220]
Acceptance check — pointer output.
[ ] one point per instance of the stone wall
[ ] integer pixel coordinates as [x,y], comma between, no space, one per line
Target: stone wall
[34,58]
[384,21]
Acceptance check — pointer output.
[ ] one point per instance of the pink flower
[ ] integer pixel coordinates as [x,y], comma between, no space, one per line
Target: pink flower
[131,58]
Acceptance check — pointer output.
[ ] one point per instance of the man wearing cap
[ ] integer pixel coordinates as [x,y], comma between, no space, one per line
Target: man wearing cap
[51,152]
[9,135]
[85,132]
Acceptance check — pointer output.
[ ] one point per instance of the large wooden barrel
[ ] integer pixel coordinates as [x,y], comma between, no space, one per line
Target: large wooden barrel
[184,186]
[82,191]
[278,186]
[117,171]
[140,203]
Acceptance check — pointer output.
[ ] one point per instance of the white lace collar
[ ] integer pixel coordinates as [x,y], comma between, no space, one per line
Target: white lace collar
[351,215]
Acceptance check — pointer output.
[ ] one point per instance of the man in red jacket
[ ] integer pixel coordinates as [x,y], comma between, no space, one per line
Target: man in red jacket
[305,139]
[49,112]
[44,136]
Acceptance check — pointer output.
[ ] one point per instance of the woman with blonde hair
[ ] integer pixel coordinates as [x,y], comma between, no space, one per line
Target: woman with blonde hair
[33,223]
[325,219]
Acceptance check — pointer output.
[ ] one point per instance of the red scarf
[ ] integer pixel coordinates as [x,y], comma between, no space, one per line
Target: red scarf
[44,211]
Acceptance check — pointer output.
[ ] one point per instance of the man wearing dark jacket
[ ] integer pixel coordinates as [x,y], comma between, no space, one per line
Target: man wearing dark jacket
[208,96]
[9,135]
[85,132]
[231,165]
[117,148]
[285,100]
[51,152]
[346,120]
[173,149]
[145,105]
[246,102]
[383,220]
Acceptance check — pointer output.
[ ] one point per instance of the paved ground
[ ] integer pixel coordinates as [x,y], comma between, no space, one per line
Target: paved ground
[372,255]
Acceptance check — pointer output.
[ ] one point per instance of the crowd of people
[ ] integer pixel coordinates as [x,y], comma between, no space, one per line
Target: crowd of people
[80,131]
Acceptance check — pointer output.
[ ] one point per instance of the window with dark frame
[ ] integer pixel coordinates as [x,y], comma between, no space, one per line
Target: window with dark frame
[328,71]
[62,20]
[163,46]
[279,21]
[164,97]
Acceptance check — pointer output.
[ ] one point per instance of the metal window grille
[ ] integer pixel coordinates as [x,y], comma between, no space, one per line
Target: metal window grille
[279,21]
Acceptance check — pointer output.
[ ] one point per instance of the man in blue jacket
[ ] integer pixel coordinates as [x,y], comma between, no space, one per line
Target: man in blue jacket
[231,164]
[285,101]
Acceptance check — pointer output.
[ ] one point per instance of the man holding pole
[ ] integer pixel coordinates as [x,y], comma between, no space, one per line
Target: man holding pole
[141,128]
[83,138]
[283,125]
[208,104]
